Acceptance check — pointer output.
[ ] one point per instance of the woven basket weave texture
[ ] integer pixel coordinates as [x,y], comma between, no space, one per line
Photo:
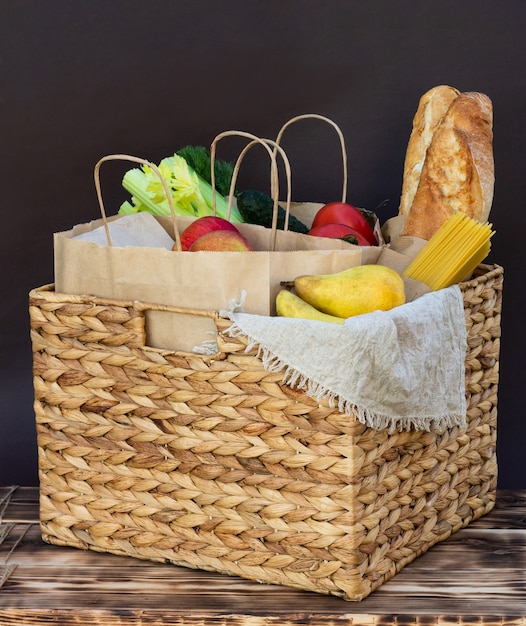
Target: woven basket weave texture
[211,462]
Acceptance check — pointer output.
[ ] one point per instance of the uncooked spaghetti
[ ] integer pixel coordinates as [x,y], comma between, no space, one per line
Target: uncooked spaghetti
[452,253]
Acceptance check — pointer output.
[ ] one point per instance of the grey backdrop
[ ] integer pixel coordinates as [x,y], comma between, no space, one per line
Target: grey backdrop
[80,79]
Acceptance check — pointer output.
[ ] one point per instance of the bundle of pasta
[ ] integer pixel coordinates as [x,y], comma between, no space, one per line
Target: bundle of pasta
[452,253]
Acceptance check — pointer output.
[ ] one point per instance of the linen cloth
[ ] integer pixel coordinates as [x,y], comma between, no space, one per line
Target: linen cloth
[395,370]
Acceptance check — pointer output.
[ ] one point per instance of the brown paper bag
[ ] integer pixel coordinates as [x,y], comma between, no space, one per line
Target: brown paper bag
[203,280]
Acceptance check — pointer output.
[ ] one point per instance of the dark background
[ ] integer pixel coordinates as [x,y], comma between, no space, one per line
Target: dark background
[80,79]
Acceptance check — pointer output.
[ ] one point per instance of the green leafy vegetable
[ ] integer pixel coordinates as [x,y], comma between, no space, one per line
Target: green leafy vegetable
[198,158]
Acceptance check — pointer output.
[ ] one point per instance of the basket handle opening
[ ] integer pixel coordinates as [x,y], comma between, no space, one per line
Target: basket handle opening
[202,333]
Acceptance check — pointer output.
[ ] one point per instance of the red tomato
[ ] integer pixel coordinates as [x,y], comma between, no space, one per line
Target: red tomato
[343,213]
[339,231]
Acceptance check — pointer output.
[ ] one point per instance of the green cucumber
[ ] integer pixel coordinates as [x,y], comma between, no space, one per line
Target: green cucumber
[257,207]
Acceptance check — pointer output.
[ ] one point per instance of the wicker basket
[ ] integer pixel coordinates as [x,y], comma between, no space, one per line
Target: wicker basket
[211,462]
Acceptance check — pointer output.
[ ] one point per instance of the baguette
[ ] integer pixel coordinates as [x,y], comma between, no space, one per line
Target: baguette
[432,108]
[458,169]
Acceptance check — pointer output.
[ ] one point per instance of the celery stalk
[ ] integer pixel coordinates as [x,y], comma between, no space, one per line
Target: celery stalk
[221,203]
[127,208]
[135,182]
[191,194]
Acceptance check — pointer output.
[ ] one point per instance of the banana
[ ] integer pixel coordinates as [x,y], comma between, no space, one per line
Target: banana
[290,305]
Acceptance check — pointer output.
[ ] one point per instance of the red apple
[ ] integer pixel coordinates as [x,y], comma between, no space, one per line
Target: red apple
[201,226]
[343,213]
[340,231]
[221,241]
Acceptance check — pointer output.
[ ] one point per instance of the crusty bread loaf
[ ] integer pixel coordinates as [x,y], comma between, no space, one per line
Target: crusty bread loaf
[458,171]
[432,107]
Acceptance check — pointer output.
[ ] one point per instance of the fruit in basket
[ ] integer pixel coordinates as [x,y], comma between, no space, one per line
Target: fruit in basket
[344,213]
[354,291]
[289,304]
[200,227]
[221,241]
[340,231]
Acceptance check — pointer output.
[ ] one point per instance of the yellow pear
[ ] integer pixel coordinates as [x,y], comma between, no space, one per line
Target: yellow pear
[290,305]
[353,291]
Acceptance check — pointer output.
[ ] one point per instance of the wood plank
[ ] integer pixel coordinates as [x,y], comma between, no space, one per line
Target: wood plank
[138,584]
[19,504]
[509,511]
[477,574]
[65,617]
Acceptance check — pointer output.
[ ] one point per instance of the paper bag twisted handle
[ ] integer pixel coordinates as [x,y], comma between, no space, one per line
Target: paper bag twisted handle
[340,135]
[274,179]
[266,143]
[155,169]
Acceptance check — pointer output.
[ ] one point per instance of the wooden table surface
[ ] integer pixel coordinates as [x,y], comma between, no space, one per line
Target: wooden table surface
[477,576]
